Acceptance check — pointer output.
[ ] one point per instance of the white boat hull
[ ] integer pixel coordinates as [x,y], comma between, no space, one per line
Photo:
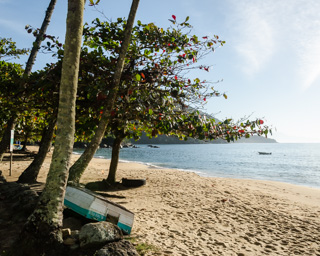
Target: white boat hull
[95,207]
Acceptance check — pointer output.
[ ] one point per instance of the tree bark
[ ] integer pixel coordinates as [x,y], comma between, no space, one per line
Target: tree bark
[111,179]
[41,235]
[24,147]
[31,173]
[83,161]
[40,37]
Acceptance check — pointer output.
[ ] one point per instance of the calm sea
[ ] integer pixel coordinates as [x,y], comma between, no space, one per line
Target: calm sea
[292,163]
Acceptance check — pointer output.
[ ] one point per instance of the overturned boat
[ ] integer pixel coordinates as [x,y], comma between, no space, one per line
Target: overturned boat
[95,207]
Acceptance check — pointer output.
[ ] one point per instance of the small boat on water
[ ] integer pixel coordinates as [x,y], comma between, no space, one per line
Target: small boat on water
[264,153]
[152,146]
[95,207]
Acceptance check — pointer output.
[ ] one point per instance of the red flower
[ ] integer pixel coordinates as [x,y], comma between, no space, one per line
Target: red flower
[261,122]
[174,17]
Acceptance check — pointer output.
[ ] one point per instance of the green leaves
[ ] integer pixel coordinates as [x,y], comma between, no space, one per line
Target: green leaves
[9,50]
[155,91]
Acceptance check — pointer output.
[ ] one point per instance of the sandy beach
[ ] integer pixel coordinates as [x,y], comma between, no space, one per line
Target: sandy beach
[181,213]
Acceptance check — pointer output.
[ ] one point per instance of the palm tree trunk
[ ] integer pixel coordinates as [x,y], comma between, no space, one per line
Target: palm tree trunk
[83,161]
[42,232]
[24,147]
[31,173]
[111,179]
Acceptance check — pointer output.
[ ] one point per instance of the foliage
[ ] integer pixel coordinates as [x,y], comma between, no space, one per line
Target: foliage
[32,98]
[155,90]
[157,94]
[33,104]
[9,50]
[10,73]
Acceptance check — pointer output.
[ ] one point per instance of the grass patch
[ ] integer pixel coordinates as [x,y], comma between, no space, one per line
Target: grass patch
[143,248]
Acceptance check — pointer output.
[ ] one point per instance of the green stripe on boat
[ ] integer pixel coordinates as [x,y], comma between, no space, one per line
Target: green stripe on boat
[93,215]
[84,212]
[124,227]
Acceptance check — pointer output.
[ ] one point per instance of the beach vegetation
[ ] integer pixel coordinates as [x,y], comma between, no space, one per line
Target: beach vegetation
[142,247]
[145,248]
[8,49]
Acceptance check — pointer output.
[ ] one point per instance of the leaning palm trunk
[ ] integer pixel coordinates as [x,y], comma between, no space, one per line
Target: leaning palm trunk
[82,163]
[41,234]
[40,37]
[31,173]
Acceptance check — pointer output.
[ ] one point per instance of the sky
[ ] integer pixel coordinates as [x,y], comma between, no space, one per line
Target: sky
[269,66]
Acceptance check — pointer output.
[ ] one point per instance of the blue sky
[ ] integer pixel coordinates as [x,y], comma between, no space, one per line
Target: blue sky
[270,64]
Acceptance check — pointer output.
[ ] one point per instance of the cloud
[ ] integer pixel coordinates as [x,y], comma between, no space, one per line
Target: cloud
[309,65]
[253,33]
[306,38]
[260,29]
[11,26]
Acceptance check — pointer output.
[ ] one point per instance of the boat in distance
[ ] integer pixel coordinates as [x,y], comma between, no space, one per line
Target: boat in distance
[264,153]
[96,207]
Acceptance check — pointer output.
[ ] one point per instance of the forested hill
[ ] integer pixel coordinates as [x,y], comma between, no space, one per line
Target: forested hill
[163,139]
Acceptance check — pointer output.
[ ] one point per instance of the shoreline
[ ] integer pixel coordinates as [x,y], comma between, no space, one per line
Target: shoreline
[182,213]
[203,174]
[285,165]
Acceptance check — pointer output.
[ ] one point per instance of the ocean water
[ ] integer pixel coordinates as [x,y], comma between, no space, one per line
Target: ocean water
[292,163]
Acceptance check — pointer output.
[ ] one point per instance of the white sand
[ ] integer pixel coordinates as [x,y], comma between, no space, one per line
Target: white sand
[182,213]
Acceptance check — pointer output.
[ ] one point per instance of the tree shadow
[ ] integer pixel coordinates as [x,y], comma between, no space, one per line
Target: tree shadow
[19,155]
[102,187]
